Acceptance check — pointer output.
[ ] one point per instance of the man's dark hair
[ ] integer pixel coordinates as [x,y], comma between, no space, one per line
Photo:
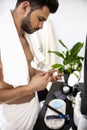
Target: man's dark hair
[36,4]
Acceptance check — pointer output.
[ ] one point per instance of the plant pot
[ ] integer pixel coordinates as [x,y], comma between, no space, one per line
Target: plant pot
[66,76]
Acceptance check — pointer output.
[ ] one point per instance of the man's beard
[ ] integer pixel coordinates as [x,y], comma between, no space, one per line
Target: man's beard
[26,25]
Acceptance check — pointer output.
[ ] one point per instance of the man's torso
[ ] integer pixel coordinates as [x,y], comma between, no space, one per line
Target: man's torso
[29,58]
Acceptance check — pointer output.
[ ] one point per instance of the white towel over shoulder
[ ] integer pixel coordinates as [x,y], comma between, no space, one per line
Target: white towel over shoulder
[15,68]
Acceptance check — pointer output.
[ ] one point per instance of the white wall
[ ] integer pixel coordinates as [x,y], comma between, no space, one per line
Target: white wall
[6,4]
[70,21]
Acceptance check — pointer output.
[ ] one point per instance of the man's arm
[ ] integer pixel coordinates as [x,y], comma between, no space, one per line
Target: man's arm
[51,74]
[20,94]
[9,94]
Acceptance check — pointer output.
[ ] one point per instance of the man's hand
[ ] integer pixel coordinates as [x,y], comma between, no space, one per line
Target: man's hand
[55,75]
[39,81]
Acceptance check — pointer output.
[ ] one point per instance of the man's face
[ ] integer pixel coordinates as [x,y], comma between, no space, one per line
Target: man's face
[34,20]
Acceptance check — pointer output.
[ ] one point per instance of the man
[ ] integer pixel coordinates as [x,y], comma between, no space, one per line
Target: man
[19,82]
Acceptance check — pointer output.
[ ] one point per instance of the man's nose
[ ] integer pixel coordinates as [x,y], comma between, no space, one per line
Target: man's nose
[41,25]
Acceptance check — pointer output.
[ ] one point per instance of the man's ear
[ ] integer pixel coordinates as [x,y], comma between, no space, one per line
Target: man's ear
[25,7]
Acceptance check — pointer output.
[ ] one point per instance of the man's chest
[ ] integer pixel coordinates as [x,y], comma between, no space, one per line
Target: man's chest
[26,49]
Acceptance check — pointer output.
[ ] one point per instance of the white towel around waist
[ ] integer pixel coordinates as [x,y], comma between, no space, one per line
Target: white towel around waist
[19,116]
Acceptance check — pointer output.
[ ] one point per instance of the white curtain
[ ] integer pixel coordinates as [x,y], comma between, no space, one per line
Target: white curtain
[45,40]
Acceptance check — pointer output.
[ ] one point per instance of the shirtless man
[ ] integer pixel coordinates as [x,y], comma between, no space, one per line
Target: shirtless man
[29,16]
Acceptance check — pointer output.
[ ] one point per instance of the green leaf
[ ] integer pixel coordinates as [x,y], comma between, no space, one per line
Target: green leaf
[59,66]
[81,58]
[67,53]
[79,66]
[61,70]
[57,53]
[68,60]
[56,66]
[68,70]
[60,41]
[72,59]
[76,48]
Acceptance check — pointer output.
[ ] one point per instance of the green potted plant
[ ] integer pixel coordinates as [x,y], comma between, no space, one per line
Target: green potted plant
[71,61]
